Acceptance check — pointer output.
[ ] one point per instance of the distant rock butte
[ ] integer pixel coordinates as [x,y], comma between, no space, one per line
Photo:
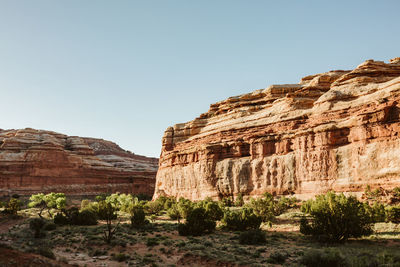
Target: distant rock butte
[337,130]
[34,161]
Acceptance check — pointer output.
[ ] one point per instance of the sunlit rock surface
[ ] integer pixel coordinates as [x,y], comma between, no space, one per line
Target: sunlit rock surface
[43,161]
[337,130]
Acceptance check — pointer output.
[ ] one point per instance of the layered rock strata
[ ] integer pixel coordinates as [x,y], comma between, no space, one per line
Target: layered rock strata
[337,130]
[34,161]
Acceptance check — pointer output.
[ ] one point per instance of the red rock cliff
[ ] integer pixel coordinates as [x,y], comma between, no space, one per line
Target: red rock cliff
[42,161]
[336,130]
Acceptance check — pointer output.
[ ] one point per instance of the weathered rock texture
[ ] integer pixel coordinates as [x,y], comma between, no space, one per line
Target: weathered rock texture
[337,130]
[43,161]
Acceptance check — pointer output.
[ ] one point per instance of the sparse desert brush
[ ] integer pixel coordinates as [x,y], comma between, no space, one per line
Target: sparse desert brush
[241,220]
[335,218]
[393,214]
[197,223]
[252,237]
[138,217]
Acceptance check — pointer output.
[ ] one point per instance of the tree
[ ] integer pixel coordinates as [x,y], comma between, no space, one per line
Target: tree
[49,201]
[109,213]
[335,218]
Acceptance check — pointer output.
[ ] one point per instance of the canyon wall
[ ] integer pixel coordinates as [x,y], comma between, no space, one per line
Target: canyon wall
[337,130]
[34,161]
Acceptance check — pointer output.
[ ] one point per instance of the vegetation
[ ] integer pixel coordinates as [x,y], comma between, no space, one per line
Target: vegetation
[198,222]
[36,225]
[335,218]
[240,237]
[393,214]
[138,217]
[48,202]
[241,220]
[12,206]
[252,237]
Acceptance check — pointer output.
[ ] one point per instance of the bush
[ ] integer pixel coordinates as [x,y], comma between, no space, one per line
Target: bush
[13,206]
[241,220]
[393,214]
[173,213]
[154,207]
[239,200]
[197,223]
[252,237]
[263,207]
[326,258]
[60,219]
[336,218]
[277,258]
[104,211]
[84,217]
[213,210]
[376,212]
[73,216]
[138,218]
[36,225]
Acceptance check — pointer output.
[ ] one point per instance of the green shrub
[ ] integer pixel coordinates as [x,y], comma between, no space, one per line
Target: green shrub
[241,220]
[239,200]
[104,211]
[277,258]
[173,212]
[138,218]
[226,202]
[73,216]
[197,223]
[326,258]
[393,214]
[36,225]
[12,206]
[60,219]
[283,204]
[263,207]
[252,237]
[336,218]
[154,207]
[185,206]
[213,209]
[376,211]
[84,217]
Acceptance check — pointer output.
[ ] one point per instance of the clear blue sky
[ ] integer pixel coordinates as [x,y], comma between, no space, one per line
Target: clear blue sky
[126,70]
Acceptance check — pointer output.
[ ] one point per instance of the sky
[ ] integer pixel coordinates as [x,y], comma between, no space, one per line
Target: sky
[124,71]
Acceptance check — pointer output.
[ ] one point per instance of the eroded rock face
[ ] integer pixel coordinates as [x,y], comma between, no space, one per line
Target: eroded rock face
[34,161]
[337,130]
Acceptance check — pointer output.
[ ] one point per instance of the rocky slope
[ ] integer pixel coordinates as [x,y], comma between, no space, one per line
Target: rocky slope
[43,161]
[336,130]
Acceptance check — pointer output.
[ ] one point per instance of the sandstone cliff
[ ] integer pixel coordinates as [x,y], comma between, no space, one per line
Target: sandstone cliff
[43,161]
[336,130]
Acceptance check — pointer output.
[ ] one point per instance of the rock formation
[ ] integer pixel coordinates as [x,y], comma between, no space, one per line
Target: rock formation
[42,161]
[337,130]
